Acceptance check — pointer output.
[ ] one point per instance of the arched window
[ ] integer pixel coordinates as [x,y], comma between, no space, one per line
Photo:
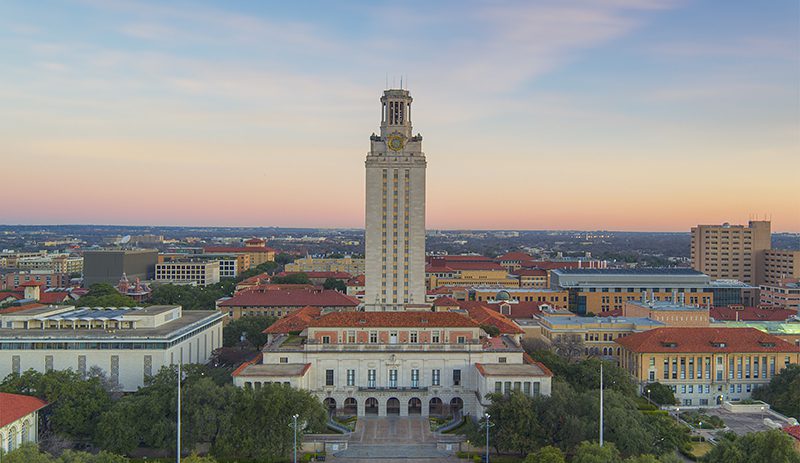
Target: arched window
[24,433]
[12,439]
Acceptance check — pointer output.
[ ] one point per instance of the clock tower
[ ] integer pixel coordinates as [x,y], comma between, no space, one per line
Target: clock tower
[395,210]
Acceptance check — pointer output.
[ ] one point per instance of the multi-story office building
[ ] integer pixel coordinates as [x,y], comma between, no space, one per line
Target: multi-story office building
[351,265]
[603,291]
[13,279]
[108,265]
[553,297]
[780,264]
[706,365]
[255,248]
[786,294]
[395,363]
[395,210]
[229,264]
[56,263]
[447,271]
[597,333]
[198,272]
[732,251]
[127,343]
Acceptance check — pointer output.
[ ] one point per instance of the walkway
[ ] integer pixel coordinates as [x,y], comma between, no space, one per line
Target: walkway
[393,439]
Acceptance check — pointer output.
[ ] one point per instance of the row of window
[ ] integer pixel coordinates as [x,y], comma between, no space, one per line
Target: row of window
[392,375]
[501,387]
[413,337]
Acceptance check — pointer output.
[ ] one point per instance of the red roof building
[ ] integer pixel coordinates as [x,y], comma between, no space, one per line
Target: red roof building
[759,313]
[706,340]
[15,407]
[297,320]
[280,302]
[394,320]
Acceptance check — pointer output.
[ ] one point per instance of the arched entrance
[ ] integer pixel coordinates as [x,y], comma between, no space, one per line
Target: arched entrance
[435,407]
[456,405]
[414,406]
[371,406]
[350,406]
[330,405]
[393,406]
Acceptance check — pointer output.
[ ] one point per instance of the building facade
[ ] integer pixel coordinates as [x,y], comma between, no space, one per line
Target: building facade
[282,300]
[352,265]
[668,312]
[732,251]
[199,272]
[13,279]
[395,210]
[108,265]
[706,366]
[781,264]
[397,363]
[127,343]
[785,293]
[604,291]
[597,333]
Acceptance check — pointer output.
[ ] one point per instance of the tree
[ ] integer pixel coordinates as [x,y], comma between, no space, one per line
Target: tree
[660,393]
[251,327]
[292,279]
[783,391]
[75,403]
[591,452]
[491,330]
[335,283]
[105,295]
[773,446]
[27,453]
[646,458]
[570,348]
[548,454]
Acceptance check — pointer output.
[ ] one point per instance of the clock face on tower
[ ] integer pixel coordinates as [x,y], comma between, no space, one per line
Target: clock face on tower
[395,142]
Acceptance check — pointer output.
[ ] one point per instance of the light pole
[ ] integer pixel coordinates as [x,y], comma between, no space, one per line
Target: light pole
[487,424]
[601,403]
[678,414]
[762,414]
[648,395]
[178,444]
[294,422]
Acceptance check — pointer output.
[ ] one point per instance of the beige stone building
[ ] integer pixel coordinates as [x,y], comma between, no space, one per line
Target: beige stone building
[395,210]
[780,264]
[198,272]
[732,251]
[394,363]
[353,266]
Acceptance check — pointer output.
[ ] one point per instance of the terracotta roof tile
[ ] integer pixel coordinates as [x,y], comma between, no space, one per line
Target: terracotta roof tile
[336,275]
[486,316]
[290,298]
[514,256]
[793,431]
[687,339]
[15,406]
[359,280]
[742,313]
[19,308]
[394,320]
[51,297]
[298,320]
[445,301]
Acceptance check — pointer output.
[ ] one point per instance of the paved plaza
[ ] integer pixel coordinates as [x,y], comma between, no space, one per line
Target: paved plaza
[393,440]
[743,423]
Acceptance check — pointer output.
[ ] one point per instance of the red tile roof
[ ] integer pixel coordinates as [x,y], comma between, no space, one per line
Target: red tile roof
[237,249]
[253,361]
[529,360]
[530,272]
[6,294]
[445,301]
[487,316]
[255,241]
[458,265]
[19,308]
[793,431]
[290,298]
[298,320]
[336,275]
[518,310]
[359,280]
[761,313]
[394,320]
[15,406]
[31,284]
[514,256]
[688,339]
[441,290]
[52,297]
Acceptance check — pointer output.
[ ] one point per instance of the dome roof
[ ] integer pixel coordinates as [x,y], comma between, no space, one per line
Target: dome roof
[502,296]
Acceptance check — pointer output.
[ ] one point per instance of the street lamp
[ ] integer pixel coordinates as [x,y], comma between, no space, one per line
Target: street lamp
[648,395]
[294,422]
[678,414]
[762,414]
[178,439]
[487,424]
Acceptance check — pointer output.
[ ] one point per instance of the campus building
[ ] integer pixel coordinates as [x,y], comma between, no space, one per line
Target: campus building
[394,363]
[395,210]
[605,291]
[668,312]
[351,265]
[786,294]
[19,420]
[281,300]
[196,272]
[449,271]
[597,333]
[780,264]
[732,251]
[705,366]
[255,248]
[108,265]
[127,343]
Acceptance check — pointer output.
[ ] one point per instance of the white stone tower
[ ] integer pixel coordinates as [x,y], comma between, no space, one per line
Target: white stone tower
[395,216]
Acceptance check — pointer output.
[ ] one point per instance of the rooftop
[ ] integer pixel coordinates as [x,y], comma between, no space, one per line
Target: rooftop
[15,406]
[629,271]
[510,369]
[281,297]
[667,306]
[394,319]
[607,321]
[706,340]
[274,369]
[742,313]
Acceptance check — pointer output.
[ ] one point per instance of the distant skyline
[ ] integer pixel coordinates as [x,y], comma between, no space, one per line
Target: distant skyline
[624,115]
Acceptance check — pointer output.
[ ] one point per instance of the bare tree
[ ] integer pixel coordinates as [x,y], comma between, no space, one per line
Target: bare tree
[569,347]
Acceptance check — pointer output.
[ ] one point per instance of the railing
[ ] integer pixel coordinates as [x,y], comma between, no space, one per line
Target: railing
[393,389]
[348,347]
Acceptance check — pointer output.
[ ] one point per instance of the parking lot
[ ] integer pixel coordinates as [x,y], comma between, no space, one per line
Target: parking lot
[743,423]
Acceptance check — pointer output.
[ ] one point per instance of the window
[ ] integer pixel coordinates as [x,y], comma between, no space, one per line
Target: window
[435,336]
[371,378]
[284,360]
[456,377]
[373,337]
[517,386]
[462,340]
[536,388]
[501,360]
[329,377]
[507,387]
[414,378]
[326,339]
[392,378]
[436,377]
[351,337]
[351,377]
[498,387]
[526,388]
[413,337]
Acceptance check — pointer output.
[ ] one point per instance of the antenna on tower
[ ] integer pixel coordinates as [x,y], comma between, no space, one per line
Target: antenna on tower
[401,82]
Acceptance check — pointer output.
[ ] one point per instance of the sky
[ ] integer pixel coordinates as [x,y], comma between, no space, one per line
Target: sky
[638,115]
